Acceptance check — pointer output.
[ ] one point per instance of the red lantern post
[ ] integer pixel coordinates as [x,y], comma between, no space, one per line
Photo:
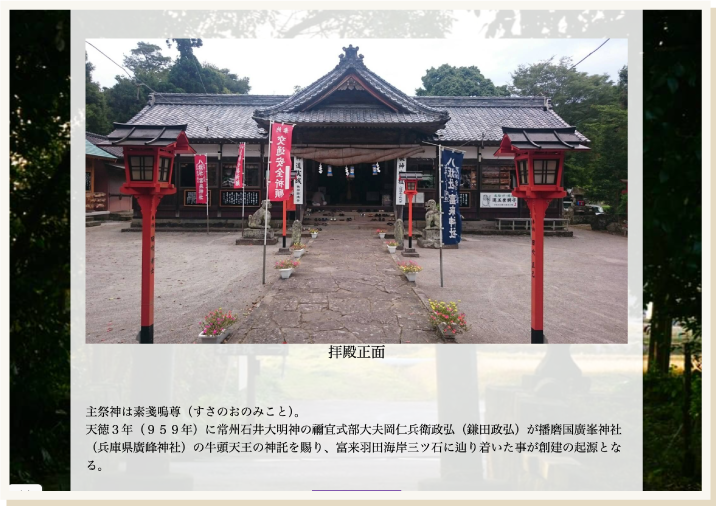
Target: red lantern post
[148,164]
[411,189]
[539,163]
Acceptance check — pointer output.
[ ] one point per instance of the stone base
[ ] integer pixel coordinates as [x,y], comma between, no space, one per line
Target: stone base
[256,242]
[283,251]
[410,252]
[430,238]
[258,233]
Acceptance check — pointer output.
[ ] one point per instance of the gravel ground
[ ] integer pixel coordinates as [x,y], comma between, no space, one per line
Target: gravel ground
[585,287]
[585,283]
[195,274]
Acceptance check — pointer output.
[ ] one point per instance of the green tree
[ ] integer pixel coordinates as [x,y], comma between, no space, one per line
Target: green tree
[187,75]
[129,95]
[447,80]
[146,58]
[40,248]
[623,87]
[96,110]
[601,170]
[573,93]
[672,176]
[592,104]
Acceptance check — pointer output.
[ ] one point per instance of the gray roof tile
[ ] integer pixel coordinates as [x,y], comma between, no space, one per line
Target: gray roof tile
[212,118]
[98,139]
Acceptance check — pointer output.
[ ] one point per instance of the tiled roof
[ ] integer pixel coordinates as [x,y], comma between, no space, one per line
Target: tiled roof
[92,150]
[464,120]
[144,134]
[95,139]
[542,138]
[471,117]
[400,108]
[228,117]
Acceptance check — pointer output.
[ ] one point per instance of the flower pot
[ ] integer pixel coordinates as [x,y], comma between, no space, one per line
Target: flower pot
[382,236]
[411,276]
[313,236]
[297,253]
[391,249]
[286,273]
[217,339]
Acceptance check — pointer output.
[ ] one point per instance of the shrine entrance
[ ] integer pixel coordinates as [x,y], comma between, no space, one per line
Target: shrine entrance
[354,186]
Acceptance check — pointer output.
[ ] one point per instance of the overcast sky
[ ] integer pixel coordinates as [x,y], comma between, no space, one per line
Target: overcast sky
[275,66]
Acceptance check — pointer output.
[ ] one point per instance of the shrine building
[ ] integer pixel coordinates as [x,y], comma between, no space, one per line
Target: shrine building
[348,118]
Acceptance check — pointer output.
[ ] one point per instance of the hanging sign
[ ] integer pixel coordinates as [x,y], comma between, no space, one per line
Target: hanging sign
[200,175]
[280,162]
[450,166]
[298,182]
[401,165]
[497,200]
[239,176]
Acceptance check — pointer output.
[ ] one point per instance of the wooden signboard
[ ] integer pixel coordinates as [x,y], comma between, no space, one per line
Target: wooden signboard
[234,198]
[464,199]
[190,198]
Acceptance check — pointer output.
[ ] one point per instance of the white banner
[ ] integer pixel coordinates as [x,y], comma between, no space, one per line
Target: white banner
[401,165]
[298,182]
[497,200]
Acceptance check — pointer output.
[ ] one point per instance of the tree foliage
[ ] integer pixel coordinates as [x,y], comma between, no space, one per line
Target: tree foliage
[573,93]
[146,58]
[598,108]
[601,170]
[153,71]
[40,248]
[97,115]
[672,174]
[447,80]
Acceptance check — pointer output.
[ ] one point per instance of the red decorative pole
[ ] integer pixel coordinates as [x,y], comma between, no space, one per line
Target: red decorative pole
[538,209]
[411,189]
[148,204]
[410,219]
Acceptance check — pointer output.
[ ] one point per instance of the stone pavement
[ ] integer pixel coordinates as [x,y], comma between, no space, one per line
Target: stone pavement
[347,290]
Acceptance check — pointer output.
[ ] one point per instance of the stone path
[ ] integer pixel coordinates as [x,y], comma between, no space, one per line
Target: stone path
[347,290]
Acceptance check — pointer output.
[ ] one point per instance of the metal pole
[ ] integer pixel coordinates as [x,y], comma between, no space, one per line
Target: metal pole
[440,200]
[284,222]
[266,217]
[208,196]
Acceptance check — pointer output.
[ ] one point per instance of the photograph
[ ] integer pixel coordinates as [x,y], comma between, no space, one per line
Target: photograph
[467,198]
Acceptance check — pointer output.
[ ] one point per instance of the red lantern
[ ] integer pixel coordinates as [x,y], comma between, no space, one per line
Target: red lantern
[539,164]
[149,152]
[411,189]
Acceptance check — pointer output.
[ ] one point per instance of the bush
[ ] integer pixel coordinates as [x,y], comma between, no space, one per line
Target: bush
[447,313]
[286,264]
[216,322]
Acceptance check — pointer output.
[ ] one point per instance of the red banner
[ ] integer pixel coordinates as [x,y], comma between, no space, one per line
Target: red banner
[239,176]
[200,175]
[280,162]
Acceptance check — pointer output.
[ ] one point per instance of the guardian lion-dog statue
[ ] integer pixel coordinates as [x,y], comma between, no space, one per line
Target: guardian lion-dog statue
[258,219]
[432,216]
